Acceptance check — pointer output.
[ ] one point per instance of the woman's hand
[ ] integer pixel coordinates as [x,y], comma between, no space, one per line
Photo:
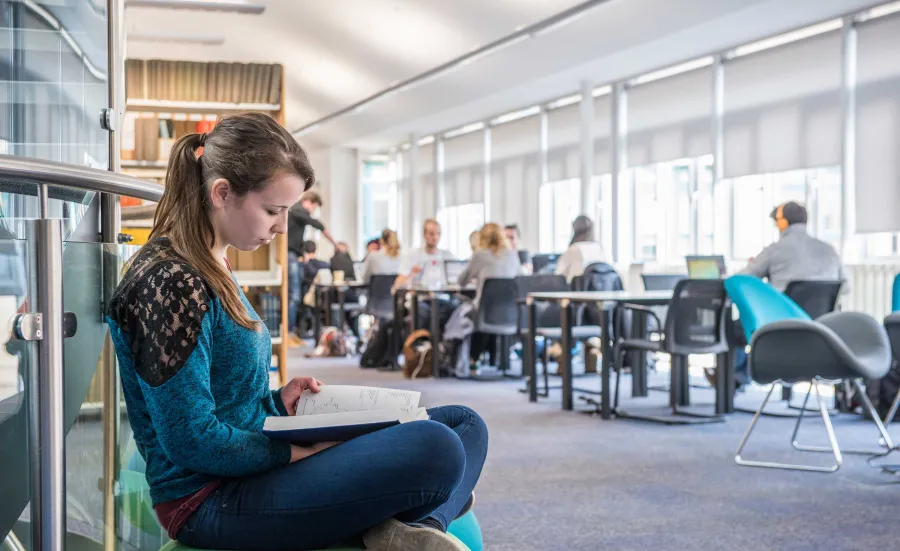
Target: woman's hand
[290,393]
[302,452]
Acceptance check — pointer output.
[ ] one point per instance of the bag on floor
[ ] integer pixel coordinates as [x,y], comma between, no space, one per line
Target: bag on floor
[378,349]
[417,354]
[453,354]
[332,344]
[883,391]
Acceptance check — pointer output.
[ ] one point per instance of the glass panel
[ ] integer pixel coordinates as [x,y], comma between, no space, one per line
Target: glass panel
[19,201]
[457,223]
[56,82]
[649,217]
[751,229]
[706,207]
[14,361]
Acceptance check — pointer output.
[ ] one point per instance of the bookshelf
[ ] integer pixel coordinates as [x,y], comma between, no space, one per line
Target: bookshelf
[169,99]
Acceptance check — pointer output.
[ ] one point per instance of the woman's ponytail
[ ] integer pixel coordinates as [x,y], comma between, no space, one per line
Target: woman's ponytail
[391,243]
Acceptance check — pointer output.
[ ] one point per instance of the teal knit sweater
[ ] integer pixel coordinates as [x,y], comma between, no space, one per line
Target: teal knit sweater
[196,383]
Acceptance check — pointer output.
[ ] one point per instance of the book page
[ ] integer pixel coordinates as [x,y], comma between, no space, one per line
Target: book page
[343,398]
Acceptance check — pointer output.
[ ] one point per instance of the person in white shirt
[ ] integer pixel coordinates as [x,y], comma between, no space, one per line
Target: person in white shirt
[582,252]
[416,261]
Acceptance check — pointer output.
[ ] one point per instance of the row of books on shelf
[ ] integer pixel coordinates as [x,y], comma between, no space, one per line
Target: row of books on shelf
[168,80]
[150,138]
[268,306]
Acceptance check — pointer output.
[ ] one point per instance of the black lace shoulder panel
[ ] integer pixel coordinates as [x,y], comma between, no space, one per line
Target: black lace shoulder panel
[161,304]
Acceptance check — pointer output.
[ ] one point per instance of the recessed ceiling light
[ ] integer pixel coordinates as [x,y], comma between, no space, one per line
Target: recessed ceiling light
[234,6]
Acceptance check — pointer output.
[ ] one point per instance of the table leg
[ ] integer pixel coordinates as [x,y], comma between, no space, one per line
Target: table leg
[341,312]
[531,353]
[413,312]
[397,323]
[725,382]
[638,357]
[317,316]
[435,337]
[565,355]
[606,366]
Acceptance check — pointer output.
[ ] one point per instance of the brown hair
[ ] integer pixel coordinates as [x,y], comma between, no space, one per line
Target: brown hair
[312,196]
[492,238]
[390,243]
[430,221]
[247,149]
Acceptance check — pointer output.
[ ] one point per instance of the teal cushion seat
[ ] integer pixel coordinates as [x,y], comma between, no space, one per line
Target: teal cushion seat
[895,295]
[176,546]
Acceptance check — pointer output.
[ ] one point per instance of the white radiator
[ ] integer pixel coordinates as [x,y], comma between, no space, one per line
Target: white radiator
[870,288]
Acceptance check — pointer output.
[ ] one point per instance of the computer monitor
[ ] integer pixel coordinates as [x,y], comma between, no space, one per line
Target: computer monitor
[544,263]
[706,267]
[452,269]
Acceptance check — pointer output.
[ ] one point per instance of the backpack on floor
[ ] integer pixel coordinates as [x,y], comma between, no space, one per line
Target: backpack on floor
[333,343]
[417,354]
[883,391]
[378,349]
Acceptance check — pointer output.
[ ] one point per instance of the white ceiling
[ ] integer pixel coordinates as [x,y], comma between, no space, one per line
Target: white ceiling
[338,52]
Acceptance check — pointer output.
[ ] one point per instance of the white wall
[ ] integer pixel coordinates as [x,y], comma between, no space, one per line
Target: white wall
[337,173]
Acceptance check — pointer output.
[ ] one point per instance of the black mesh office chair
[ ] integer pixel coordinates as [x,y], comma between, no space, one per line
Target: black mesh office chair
[817,298]
[547,320]
[695,325]
[498,314]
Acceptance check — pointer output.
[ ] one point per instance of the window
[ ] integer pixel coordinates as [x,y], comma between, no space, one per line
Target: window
[599,209]
[457,223]
[558,208]
[380,205]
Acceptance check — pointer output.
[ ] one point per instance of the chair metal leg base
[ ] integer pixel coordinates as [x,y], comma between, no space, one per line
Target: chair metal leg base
[867,403]
[829,429]
[670,416]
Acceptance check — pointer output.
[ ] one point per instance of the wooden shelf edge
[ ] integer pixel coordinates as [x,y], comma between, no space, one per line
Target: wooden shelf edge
[210,107]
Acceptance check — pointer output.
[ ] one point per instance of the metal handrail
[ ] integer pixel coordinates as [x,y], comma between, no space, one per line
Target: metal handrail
[77,177]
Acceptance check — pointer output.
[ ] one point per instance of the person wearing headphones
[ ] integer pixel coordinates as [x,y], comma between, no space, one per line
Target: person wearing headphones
[796,255]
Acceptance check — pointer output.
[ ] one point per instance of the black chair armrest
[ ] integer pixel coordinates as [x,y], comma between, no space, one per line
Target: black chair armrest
[639,308]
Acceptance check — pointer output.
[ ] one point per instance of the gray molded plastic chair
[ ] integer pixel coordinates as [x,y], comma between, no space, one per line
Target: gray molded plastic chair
[892,326]
[380,301]
[498,314]
[837,346]
[695,324]
[547,326]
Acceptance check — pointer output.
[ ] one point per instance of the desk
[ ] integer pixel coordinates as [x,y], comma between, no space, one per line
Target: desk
[325,289]
[434,331]
[606,300]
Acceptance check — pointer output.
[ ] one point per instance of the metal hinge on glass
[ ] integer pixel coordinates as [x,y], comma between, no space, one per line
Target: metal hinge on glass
[108,119]
[30,326]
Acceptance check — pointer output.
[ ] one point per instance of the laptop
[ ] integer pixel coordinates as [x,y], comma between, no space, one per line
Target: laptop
[452,269]
[544,263]
[357,271]
[706,267]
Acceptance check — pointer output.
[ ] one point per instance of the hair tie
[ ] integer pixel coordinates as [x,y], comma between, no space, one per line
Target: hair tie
[202,141]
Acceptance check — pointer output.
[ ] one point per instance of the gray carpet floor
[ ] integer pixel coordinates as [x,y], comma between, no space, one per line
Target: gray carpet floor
[564,481]
[559,480]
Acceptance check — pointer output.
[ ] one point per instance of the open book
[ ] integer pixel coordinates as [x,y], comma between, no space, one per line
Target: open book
[340,412]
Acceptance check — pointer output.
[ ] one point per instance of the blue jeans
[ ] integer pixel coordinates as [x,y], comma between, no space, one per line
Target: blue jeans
[409,471]
[295,278]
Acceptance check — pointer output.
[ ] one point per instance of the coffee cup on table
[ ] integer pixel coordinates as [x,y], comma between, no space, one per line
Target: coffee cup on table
[339,276]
